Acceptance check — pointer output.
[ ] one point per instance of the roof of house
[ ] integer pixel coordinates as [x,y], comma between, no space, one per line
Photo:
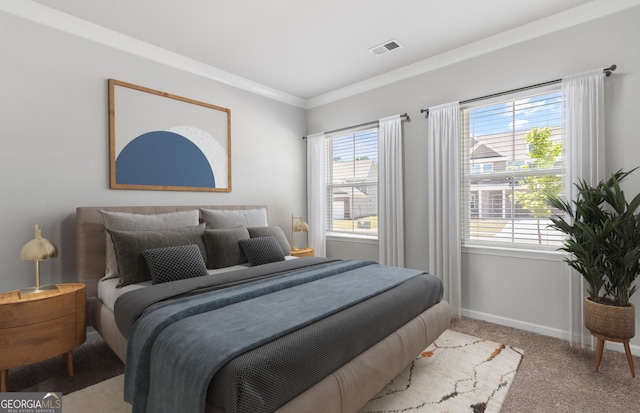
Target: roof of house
[360,170]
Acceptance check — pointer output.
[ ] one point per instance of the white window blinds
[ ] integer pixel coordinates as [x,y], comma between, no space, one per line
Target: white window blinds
[352,182]
[512,155]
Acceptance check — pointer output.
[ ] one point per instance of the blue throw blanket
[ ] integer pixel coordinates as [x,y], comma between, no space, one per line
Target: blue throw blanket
[174,350]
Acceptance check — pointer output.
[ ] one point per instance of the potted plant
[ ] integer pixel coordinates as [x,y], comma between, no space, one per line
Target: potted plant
[603,242]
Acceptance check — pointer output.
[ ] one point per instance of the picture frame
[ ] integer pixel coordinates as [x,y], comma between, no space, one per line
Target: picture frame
[160,141]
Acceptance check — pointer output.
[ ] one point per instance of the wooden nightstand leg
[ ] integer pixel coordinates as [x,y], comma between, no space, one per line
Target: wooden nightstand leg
[4,378]
[68,360]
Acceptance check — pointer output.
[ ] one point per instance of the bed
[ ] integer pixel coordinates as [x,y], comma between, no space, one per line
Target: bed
[354,369]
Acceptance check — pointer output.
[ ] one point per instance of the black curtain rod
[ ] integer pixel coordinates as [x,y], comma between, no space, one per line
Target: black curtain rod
[606,71]
[404,116]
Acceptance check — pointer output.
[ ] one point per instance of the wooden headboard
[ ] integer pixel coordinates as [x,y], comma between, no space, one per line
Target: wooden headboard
[90,239]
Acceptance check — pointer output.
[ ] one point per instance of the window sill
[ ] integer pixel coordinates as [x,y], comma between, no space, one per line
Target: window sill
[358,238]
[546,255]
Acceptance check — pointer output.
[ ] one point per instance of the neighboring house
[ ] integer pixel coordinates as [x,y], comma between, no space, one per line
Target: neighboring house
[487,196]
[490,186]
[355,192]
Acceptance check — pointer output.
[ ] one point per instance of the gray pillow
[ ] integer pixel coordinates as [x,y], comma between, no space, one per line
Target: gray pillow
[125,221]
[175,263]
[222,247]
[229,218]
[274,232]
[129,245]
[262,250]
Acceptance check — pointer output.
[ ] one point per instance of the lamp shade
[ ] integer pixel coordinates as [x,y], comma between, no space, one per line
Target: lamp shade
[297,225]
[301,226]
[39,248]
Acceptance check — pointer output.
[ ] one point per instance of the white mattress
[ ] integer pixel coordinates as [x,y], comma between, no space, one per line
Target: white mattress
[108,293]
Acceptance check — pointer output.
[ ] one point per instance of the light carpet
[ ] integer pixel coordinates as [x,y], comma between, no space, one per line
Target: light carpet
[458,373]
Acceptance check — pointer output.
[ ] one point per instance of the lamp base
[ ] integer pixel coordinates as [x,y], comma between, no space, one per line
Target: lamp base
[38,290]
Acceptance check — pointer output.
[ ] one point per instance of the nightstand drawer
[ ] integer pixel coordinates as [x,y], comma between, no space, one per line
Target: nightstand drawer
[36,311]
[28,344]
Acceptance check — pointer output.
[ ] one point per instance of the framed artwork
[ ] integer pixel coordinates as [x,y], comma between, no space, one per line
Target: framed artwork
[160,141]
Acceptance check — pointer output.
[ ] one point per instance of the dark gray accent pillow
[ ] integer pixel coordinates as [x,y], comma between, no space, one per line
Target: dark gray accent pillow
[175,263]
[274,231]
[128,245]
[262,250]
[231,218]
[222,247]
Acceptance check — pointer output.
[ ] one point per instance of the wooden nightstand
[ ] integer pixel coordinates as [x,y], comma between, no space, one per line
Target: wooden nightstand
[40,326]
[303,252]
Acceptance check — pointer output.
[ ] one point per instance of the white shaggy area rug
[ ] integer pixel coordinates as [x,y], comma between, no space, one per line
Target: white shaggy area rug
[458,373]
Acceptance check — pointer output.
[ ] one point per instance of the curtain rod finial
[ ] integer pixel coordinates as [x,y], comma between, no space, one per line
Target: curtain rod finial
[609,70]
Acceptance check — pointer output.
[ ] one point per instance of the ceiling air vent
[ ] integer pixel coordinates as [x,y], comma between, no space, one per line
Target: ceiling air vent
[385,47]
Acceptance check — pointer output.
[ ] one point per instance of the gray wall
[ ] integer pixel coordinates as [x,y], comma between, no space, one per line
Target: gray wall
[54,129]
[525,290]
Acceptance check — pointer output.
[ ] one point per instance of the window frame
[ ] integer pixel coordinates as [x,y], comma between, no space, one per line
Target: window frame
[468,195]
[330,232]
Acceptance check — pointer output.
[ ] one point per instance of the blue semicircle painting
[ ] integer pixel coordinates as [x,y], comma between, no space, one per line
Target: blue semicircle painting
[165,159]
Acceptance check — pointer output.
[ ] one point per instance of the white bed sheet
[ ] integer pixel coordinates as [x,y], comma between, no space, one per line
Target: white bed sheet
[108,293]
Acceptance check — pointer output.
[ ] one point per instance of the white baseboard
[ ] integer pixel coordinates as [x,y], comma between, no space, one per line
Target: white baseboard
[539,329]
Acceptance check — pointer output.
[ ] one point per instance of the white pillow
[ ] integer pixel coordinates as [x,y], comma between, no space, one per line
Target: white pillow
[125,221]
[230,218]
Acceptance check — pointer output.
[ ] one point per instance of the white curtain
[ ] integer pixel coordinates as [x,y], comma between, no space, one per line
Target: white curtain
[316,192]
[443,180]
[390,195]
[584,129]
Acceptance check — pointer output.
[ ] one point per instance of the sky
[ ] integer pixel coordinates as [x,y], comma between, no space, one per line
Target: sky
[523,114]
[366,145]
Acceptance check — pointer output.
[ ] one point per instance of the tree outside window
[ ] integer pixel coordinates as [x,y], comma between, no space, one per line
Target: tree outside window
[537,188]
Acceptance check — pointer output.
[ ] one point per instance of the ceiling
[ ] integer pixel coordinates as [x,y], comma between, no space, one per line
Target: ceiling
[309,49]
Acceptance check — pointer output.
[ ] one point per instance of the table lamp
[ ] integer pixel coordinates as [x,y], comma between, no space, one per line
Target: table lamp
[38,249]
[297,226]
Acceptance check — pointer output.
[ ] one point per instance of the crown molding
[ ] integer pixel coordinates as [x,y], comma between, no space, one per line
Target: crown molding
[572,17]
[55,19]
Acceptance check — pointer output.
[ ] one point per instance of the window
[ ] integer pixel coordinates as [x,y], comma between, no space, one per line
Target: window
[482,168]
[512,156]
[352,183]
